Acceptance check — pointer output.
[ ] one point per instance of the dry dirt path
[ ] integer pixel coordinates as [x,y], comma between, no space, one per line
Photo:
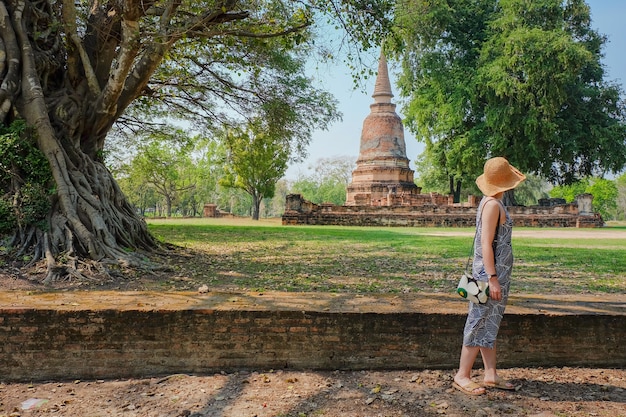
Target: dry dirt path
[552,392]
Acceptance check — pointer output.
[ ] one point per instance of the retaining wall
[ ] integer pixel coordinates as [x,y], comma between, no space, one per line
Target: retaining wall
[114,335]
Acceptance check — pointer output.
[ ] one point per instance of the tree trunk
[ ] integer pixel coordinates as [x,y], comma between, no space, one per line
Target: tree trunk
[168,206]
[455,190]
[256,205]
[90,219]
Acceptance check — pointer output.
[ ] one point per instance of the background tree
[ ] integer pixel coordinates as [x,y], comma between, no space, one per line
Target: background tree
[432,179]
[509,78]
[235,201]
[171,161]
[548,105]
[604,193]
[72,70]
[438,45]
[256,160]
[275,207]
[569,192]
[163,163]
[144,199]
[207,168]
[328,182]
[530,191]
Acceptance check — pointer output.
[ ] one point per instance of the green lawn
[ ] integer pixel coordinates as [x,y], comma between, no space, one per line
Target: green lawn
[261,256]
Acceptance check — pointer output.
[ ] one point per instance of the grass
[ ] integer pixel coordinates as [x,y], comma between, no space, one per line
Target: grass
[259,256]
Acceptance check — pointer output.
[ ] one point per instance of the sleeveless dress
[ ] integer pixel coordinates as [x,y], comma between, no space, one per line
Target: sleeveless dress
[483,320]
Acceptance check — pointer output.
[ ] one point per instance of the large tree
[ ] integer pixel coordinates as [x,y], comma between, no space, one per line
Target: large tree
[514,78]
[73,69]
[256,160]
[438,45]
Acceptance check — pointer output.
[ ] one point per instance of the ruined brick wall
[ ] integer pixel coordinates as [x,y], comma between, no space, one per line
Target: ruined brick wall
[92,343]
[433,211]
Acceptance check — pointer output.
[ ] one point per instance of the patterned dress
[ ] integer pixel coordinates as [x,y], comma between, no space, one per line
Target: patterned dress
[483,320]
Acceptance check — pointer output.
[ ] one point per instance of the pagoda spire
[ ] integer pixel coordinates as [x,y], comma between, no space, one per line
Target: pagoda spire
[382,88]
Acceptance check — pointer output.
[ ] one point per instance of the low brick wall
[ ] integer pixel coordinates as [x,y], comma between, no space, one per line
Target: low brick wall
[299,211]
[115,335]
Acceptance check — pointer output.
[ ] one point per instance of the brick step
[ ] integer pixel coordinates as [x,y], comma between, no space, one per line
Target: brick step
[106,335]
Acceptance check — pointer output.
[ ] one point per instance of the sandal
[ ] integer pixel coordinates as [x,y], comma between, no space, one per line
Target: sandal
[469,388]
[500,383]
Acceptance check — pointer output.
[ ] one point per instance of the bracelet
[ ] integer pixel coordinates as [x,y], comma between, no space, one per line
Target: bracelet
[492,275]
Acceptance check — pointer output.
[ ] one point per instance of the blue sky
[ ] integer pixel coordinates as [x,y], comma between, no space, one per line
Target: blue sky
[343,138]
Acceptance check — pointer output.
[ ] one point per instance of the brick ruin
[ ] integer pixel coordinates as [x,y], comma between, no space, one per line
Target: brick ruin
[438,211]
[383,193]
[382,169]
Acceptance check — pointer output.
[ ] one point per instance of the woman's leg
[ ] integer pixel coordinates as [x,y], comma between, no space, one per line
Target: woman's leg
[491,374]
[489,360]
[466,363]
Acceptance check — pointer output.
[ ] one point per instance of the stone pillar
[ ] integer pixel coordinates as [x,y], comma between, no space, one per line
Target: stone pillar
[585,207]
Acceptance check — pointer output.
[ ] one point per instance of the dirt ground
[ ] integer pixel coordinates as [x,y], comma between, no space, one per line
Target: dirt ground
[541,393]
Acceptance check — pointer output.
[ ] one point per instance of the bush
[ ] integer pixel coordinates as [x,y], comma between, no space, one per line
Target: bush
[8,221]
[25,177]
[33,206]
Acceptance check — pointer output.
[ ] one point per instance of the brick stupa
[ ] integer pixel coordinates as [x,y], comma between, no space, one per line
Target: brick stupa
[382,176]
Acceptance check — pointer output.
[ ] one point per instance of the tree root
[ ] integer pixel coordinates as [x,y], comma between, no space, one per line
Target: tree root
[66,268]
[35,256]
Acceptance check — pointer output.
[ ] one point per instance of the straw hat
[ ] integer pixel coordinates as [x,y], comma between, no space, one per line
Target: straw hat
[498,176]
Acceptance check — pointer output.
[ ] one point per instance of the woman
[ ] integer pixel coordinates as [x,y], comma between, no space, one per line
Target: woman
[483,320]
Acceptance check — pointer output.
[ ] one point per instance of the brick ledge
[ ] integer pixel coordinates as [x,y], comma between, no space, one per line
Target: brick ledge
[106,335]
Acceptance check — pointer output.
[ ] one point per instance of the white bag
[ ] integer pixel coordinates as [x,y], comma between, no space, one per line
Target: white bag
[472,289]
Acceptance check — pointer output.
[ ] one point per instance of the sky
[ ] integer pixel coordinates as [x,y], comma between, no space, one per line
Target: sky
[342,139]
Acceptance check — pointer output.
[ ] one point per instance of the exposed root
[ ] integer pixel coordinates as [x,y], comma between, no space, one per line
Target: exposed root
[54,274]
[35,259]
[98,272]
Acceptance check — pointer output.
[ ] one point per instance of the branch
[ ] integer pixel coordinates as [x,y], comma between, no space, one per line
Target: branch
[168,12]
[247,34]
[212,19]
[11,80]
[143,70]
[216,16]
[149,61]
[69,21]
[129,48]
[153,55]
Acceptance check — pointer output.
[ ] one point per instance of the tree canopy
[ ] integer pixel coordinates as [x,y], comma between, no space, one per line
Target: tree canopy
[73,70]
[164,165]
[256,160]
[510,78]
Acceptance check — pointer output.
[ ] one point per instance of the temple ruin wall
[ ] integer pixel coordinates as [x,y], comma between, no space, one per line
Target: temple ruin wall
[436,210]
